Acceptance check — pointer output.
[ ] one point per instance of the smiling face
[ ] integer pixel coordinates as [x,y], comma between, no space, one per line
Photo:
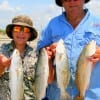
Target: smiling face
[21,34]
[73,6]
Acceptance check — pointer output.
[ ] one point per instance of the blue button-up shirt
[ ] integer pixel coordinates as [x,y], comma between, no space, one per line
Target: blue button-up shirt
[75,39]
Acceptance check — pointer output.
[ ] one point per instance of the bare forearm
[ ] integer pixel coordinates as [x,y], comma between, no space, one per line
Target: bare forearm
[51,72]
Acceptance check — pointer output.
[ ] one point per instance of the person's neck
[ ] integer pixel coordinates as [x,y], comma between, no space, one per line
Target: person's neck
[74,20]
[21,48]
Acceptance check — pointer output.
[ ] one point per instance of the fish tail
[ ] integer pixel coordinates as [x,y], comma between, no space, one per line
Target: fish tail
[79,97]
[64,96]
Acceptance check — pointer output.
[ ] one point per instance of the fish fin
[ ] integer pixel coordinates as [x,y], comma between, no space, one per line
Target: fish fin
[64,96]
[79,98]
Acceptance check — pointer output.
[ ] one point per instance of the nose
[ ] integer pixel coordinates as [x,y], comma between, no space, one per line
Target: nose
[70,0]
[21,32]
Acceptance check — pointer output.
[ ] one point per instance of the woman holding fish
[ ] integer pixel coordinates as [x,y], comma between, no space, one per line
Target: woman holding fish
[18,61]
[78,27]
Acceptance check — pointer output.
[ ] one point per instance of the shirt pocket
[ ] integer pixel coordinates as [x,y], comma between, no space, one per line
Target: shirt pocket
[81,40]
[88,35]
[95,35]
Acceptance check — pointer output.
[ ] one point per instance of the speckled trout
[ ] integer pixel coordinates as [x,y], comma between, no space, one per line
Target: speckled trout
[16,76]
[42,73]
[84,69]
[62,70]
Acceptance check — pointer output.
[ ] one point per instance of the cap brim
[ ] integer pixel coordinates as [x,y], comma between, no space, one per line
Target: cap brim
[59,3]
[10,26]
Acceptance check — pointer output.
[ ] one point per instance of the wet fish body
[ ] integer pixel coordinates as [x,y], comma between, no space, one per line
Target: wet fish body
[84,69]
[42,73]
[16,76]
[62,70]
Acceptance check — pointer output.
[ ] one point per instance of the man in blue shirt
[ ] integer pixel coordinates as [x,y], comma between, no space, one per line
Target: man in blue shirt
[76,26]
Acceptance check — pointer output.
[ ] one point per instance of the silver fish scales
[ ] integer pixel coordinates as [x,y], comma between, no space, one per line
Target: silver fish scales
[84,69]
[42,73]
[16,76]
[62,69]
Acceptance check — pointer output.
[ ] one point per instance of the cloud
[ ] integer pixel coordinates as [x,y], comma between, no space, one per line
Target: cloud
[42,17]
[7,13]
[4,6]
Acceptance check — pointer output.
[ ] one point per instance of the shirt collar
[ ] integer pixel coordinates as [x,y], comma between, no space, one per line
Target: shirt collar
[63,16]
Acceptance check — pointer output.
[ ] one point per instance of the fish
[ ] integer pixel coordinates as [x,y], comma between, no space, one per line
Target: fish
[16,76]
[62,70]
[84,69]
[42,74]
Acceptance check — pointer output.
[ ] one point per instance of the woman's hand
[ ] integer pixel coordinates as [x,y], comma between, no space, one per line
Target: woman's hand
[4,62]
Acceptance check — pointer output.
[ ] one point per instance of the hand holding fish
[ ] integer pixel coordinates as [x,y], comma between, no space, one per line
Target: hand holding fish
[51,69]
[4,62]
[51,50]
[96,57]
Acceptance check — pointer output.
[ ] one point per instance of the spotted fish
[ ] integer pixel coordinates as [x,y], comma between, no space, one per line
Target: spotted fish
[62,69]
[84,69]
[42,73]
[16,76]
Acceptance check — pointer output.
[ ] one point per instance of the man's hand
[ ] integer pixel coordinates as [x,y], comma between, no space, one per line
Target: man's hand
[96,57]
[51,50]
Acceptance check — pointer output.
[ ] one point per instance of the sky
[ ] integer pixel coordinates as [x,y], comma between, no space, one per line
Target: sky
[41,11]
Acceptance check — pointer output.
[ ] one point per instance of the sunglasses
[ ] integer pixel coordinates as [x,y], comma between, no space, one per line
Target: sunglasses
[70,0]
[20,29]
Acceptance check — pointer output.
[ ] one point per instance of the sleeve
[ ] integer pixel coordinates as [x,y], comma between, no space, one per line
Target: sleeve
[4,49]
[45,38]
[1,48]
